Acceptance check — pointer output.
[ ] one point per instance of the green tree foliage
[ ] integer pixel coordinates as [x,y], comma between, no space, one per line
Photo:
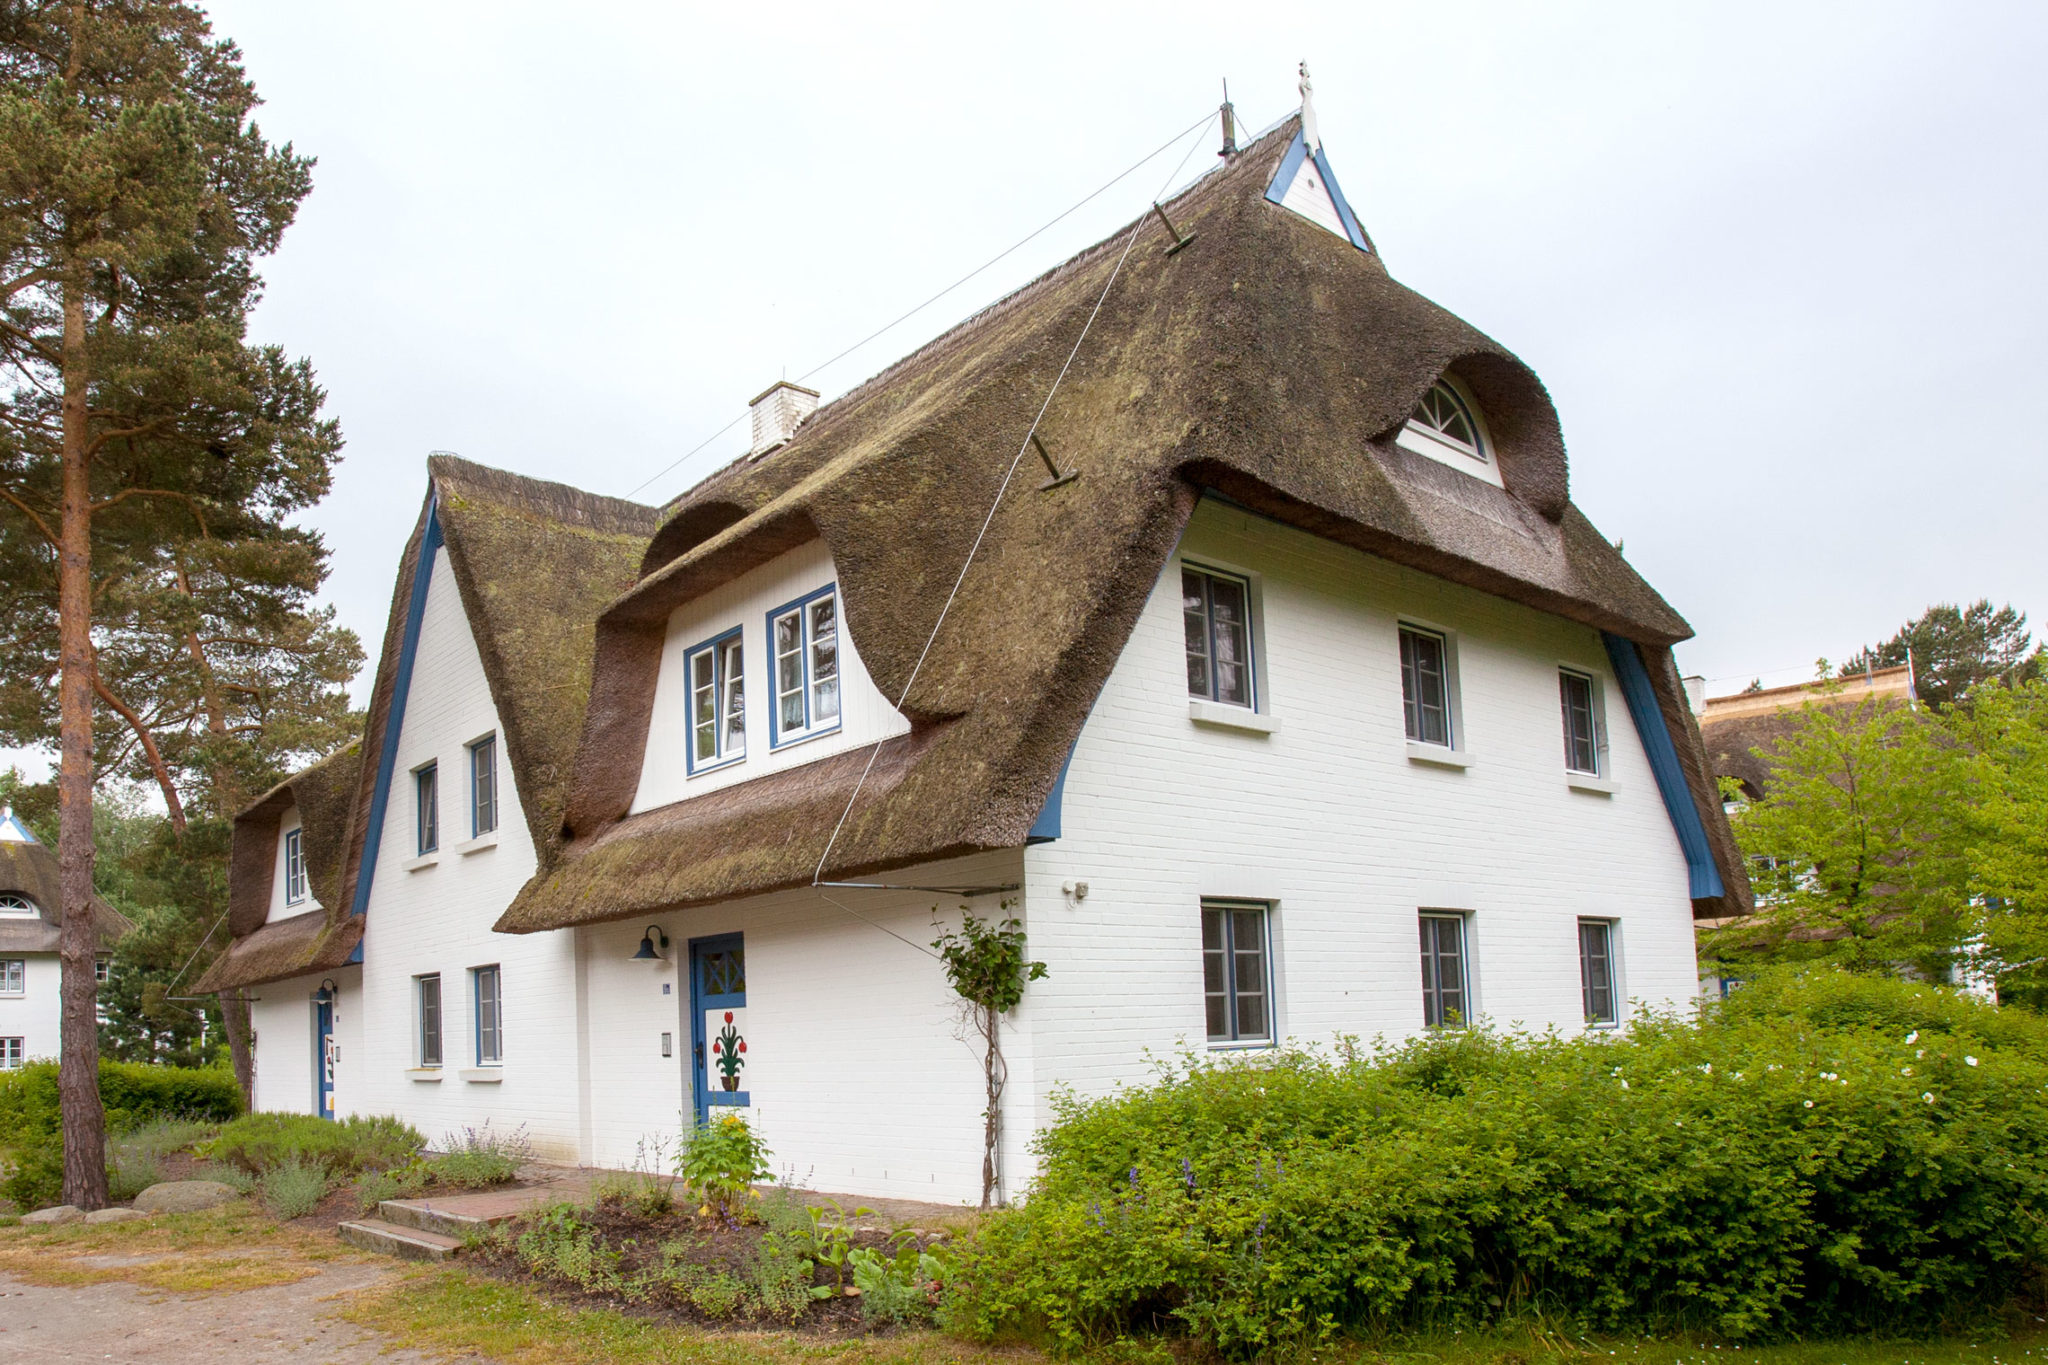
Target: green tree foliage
[1953,649]
[2007,734]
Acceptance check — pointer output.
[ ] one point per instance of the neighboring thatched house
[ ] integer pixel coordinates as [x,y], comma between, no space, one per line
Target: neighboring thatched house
[1740,730]
[1299,657]
[31,924]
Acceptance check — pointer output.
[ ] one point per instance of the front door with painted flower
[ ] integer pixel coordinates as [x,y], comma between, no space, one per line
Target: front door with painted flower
[718,1022]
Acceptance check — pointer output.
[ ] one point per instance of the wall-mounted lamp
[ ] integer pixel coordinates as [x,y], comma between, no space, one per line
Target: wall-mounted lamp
[653,945]
[325,995]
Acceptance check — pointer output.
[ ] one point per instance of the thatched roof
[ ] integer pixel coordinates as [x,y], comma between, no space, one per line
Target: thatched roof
[29,868]
[533,563]
[1741,730]
[1270,362]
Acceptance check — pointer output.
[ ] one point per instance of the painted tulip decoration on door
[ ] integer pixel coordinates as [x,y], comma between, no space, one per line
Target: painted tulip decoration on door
[728,1054]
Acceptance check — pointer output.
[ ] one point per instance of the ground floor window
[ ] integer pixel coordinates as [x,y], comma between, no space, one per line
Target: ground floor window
[1596,970]
[490,1016]
[1443,970]
[1236,972]
[428,989]
[10,1054]
[13,976]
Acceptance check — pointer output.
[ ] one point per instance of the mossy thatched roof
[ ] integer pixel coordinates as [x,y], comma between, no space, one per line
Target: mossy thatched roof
[1270,362]
[29,869]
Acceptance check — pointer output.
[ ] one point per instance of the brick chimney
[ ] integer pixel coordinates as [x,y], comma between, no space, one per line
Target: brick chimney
[778,413]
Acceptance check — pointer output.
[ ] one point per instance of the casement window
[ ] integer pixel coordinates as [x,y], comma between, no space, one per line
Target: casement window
[1426,687]
[718,702]
[13,976]
[1579,698]
[10,1054]
[1217,617]
[1445,989]
[426,805]
[490,1015]
[11,904]
[102,970]
[294,866]
[1596,970]
[427,993]
[483,786]
[1237,972]
[805,639]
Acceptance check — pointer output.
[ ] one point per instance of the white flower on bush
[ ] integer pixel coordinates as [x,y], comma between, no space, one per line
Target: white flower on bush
[1809,1104]
[1969,1061]
[1707,1067]
[1905,1071]
[1624,1085]
[1927,1095]
[1828,1075]
[1913,1037]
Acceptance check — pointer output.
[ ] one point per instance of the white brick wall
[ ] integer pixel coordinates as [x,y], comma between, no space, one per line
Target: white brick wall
[283,1020]
[36,1015]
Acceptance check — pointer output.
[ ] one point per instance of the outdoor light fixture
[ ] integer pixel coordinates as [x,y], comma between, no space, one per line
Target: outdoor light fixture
[653,945]
[325,995]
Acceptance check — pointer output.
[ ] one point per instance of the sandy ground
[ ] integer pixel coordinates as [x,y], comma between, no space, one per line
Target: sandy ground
[123,1323]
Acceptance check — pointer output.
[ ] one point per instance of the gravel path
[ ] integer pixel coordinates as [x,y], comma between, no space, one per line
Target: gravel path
[125,1323]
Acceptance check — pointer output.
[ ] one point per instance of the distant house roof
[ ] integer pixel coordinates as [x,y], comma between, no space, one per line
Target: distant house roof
[1739,730]
[1270,362]
[28,868]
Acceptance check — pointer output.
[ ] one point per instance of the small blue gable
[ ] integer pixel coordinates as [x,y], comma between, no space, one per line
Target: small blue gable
[1305,185]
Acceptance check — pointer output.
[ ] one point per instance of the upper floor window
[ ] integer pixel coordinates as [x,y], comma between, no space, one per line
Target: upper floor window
[102,970]
[805,638]
[1236,972]
[294,866]
[11,904]
[718,702]
[426,800]
[1444,415]
[483,786]
[1426,686]
[1579,699]
[13,976]
[1216,614]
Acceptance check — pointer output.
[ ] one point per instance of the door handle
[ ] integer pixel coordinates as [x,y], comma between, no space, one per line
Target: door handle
[699,1049]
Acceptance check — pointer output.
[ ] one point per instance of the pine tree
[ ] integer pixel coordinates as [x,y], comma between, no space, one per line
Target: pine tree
[137,424]
[1952,649]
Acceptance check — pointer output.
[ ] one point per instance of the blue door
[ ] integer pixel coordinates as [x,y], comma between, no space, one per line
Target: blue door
[323,1055]
[718,1023]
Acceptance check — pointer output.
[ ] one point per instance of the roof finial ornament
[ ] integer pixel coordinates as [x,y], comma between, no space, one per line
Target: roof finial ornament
[1229,113]
[1309,133]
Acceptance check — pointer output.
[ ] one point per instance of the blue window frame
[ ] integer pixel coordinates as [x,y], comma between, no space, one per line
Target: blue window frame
[294,866]
[483,786]
[717,675]
[803,654]
[489,987]
[426,800]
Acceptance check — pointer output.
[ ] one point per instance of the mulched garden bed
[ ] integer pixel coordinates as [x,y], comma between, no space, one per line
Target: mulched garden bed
[690,1239]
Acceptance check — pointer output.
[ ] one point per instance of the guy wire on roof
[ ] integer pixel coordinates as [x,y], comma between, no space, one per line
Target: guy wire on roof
[1021,242]
[1130,240]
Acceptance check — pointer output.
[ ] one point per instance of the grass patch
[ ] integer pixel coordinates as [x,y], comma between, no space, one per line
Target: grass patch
[1537,1346]
[220,1251]
[454,1313]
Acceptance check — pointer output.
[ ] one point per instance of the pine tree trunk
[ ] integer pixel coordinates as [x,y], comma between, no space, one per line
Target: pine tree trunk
[78,1064]
[234,1018]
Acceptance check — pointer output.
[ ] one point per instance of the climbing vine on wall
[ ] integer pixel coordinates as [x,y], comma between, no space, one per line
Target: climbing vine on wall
[985,962]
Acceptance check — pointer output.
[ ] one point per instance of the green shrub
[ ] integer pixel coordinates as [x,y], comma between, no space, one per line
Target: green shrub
[477,1158]
[36,1179]
[134,1094]
[130,1171]
[721,1160]
[341,1147]
[293,1187]
[904,1286]
[1795,1162]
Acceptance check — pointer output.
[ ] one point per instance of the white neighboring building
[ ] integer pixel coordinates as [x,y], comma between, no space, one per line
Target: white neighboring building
[1310,708]
[31,924]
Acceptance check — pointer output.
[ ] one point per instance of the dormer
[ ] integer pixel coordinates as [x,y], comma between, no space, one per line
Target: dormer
[291,886]
[1447,427]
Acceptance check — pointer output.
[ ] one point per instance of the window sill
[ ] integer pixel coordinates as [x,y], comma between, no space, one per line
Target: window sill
[1588,782]
[1224,716]
[424,860]
[478,844]
[1252,1045]
[1438,755]
[484,1075]
[424,1073]
[706,769]
[791,741]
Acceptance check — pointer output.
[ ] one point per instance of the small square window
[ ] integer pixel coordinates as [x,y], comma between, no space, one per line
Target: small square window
[10,1054]
[1444,986]
[803,639]
[102,970]
[490,1016]
[428,992]
[1426,687]
[1216,618]
[294,866]
[13,976]
[1596,971]
[483,786]
[1579,699]
[426,801]
[718,702]
[1236,972]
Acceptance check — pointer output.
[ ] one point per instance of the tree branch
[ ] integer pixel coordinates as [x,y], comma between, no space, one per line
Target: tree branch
[30,512]
[149,749]
[29,339]
[198,514]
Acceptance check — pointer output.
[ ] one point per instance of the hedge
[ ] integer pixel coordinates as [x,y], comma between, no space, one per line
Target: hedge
[134,1093]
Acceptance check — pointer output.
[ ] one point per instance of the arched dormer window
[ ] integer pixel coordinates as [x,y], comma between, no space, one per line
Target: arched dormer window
[11,904]
[1446,427]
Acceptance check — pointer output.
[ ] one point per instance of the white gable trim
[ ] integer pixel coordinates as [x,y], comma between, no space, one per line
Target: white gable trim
[1315,195]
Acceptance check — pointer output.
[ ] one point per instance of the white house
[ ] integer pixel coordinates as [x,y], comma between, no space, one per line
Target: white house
[1268,676]
[31,923]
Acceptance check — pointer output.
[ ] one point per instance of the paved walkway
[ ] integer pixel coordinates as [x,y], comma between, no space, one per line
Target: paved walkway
[283,1324]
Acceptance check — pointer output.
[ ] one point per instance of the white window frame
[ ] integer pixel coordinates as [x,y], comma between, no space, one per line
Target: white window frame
[1432,969]
[1610,931]
[295,866]
[1428,440]
[483,795]
[102,970]
[422,986]
[1234,1037]
[1252,652]
[1454,740]
[488,1014]
[1596,718]
[13,976]
[11,1054]
[426,808]
[809,684]
[721,652]
[13,904]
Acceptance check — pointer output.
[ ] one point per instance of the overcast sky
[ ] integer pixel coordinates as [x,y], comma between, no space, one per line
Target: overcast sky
[1779,264]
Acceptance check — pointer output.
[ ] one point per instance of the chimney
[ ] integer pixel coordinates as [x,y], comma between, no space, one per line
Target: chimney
[1695,694]
[778,413]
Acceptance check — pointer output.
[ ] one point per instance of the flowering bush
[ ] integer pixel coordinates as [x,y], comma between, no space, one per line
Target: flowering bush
[721,1160]
[1798,1161]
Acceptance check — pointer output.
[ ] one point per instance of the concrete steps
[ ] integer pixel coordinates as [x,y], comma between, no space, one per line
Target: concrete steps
[426,1215]
[393,1239]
